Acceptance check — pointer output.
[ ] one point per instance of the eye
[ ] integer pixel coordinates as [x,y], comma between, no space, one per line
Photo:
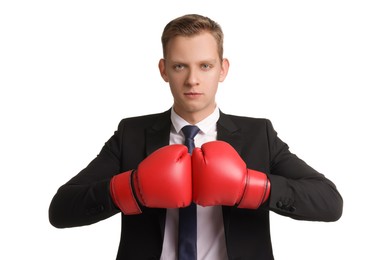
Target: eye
[206,66]
[178,67]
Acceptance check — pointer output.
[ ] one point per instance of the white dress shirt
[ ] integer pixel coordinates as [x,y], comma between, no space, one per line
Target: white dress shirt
[211,244]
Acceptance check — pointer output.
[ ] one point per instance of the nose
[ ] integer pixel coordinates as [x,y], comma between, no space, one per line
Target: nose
[192,77]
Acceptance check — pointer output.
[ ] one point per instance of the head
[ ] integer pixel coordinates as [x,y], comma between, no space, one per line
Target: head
[190,25]
[193,64]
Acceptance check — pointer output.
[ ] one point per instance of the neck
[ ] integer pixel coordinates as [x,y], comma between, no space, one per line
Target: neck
[194,117]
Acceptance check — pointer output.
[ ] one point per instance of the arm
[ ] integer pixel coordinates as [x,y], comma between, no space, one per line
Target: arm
[299,191]
[110,184]
[85,199]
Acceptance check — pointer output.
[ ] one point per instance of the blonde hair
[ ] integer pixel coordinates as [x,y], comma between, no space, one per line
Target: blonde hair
[190,25]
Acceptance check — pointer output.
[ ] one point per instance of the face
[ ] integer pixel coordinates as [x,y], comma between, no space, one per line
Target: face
[193,69]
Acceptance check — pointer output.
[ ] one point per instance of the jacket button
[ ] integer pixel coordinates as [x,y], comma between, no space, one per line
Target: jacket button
[292,209]
[279,204]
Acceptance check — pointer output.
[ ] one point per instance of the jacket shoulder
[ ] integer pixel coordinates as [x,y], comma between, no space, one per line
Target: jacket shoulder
[147,117]
[145,120]
[245,121]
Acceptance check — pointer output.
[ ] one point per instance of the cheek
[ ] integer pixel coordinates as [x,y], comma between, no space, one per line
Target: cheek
[175,77]
[175,87]
[213,78]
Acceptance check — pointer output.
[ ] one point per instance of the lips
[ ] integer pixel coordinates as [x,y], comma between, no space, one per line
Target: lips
[192,94]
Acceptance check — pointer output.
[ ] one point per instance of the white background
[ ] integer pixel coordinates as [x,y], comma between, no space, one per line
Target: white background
[70,70]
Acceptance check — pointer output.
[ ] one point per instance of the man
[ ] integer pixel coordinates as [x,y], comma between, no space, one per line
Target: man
[238,172]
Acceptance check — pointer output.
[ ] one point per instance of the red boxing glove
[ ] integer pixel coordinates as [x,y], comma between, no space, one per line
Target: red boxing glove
[162,180]
[220,177]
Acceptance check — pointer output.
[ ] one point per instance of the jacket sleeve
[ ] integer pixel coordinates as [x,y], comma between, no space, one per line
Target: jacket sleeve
[85,199]
[297,190]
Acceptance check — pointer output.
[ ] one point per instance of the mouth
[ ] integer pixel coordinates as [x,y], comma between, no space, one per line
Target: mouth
[192,94]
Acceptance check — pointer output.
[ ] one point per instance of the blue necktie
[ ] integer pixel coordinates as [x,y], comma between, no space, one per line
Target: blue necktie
[187,216]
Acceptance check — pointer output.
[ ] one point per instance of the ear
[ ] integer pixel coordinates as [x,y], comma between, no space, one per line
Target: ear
[161,67]
[224,70]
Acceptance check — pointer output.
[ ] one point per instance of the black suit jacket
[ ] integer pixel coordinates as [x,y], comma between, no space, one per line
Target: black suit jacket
[297,190]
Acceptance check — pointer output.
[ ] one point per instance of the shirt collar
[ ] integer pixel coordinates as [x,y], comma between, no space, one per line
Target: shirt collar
[205,125]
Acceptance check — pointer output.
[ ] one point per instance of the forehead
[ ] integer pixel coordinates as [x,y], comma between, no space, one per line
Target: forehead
[199,46]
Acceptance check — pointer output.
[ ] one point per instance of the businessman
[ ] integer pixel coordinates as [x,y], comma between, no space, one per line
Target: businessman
[193,182]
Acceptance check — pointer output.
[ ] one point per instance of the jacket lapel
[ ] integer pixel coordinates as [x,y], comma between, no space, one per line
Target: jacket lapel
[157,135]
[229,132]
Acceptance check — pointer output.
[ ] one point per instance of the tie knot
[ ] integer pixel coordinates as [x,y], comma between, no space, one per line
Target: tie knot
[190,131]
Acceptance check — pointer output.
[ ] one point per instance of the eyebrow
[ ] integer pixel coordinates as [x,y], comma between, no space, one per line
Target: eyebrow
[212,61]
